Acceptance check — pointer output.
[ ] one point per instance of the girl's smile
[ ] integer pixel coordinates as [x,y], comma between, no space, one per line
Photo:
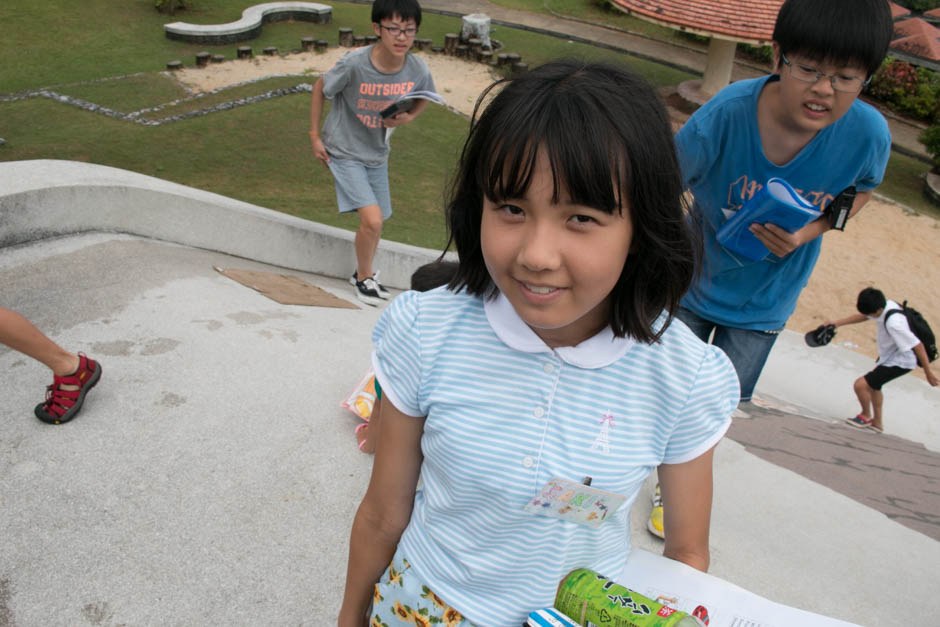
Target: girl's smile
[556,262]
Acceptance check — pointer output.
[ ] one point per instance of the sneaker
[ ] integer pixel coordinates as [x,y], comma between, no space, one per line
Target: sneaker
[368,292]
[383,293]
[63,405]
[655,523]
[859,421]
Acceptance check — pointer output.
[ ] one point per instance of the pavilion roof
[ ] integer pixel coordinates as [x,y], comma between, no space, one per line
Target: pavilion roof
[748,21]
[898,11]
[917,37]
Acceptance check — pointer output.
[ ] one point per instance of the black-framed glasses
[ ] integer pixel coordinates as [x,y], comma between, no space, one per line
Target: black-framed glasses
[395,31]
[839,82]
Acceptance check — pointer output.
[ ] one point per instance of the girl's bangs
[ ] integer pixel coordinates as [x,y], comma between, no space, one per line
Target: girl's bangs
[586,162]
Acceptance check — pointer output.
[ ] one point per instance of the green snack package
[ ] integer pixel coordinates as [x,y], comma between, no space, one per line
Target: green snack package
[592,599]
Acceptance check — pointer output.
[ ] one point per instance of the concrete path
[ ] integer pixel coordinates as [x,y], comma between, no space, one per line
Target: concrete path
[212,476]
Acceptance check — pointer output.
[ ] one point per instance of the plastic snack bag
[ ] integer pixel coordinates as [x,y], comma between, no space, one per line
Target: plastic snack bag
[362,398]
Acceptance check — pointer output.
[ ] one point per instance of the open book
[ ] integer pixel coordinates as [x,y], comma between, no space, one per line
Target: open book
[777,203]
[407,101]
[682,587]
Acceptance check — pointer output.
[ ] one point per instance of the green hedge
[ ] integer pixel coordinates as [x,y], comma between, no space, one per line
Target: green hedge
[909,90]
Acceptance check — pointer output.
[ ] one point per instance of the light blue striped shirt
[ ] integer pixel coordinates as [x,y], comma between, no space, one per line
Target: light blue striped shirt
[506,413]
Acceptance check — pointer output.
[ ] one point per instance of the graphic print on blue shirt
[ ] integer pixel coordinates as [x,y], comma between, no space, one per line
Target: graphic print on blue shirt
[743,188]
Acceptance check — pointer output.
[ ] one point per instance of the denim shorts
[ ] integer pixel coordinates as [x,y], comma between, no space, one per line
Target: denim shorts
[359,185]
[747,349]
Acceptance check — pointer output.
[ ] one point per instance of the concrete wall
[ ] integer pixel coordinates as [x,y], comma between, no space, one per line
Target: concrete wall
[50,198]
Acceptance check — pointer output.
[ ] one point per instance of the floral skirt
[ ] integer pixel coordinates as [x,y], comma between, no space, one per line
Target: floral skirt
[401,599]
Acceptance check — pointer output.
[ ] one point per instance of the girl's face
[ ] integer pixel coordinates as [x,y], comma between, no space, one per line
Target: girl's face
[556,263]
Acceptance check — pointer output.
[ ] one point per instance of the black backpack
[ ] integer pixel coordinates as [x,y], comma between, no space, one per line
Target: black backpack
[919,328]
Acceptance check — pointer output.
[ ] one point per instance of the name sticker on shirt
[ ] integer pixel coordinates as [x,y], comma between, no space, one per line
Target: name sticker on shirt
[575,502]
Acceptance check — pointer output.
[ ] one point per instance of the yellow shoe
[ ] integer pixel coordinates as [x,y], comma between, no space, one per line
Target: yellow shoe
[655,523]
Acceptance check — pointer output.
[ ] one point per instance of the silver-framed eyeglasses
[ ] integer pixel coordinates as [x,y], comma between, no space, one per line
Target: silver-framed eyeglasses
[395,31]
[839,82]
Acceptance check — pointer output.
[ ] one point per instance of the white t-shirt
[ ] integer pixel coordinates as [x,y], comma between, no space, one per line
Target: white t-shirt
[895,339]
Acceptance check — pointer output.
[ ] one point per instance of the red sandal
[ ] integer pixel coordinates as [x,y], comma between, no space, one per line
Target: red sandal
[63,405]
[859,421]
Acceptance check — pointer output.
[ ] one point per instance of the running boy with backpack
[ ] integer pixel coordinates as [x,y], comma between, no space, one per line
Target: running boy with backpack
[904,341]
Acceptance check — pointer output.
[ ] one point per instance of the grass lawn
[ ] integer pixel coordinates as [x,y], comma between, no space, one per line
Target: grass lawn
[258,153]
[60,41]
[904,183]
[592,11]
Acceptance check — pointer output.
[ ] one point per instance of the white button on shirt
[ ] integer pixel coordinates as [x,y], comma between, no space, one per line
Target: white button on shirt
[539,412]
[549,368]
[527,461]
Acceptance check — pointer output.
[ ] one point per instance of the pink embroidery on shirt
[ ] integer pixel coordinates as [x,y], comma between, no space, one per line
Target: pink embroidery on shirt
[602,441]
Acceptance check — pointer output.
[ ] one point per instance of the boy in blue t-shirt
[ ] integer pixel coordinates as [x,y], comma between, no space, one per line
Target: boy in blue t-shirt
[805,125]
[354,143]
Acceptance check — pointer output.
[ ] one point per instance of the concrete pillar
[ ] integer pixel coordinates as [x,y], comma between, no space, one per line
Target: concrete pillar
[718,67]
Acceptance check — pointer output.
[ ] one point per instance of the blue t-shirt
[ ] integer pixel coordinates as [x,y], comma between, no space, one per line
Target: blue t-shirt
[723,164]
[506,413]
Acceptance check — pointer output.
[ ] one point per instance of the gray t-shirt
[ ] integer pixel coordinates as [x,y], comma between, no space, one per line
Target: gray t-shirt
[353,128]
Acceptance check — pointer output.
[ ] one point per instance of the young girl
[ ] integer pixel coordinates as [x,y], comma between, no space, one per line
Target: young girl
[549,356]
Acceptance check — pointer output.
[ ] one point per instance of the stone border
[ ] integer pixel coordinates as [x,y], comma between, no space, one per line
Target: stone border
[249,26]
[932,187]
[46,198]
[134,116]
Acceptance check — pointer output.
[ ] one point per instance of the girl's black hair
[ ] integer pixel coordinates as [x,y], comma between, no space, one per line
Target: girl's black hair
[843,32]
[405,9]
[609,142]
[434,274]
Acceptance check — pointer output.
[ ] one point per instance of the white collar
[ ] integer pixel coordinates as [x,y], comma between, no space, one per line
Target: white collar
[598,351]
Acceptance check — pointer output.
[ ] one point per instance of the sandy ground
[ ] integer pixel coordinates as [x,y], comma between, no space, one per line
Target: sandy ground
[458,81]
[885,246]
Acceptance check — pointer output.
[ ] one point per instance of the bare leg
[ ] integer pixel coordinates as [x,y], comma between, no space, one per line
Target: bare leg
[367,239]
[19,334]
[864,394]
[877,400]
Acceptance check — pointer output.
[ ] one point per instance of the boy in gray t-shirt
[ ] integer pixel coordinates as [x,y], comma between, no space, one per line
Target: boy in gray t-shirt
[354,142]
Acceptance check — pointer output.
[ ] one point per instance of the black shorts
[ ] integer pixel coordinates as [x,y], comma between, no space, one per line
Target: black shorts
[882,374]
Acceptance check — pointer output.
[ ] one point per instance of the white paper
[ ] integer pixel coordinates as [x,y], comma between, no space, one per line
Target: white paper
[683,587]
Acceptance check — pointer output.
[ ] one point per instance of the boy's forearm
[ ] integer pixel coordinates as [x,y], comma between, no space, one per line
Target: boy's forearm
[316,108]
[418,108]
[821,225]
[860,199]
[921,354]
[924,362]
[853,319]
